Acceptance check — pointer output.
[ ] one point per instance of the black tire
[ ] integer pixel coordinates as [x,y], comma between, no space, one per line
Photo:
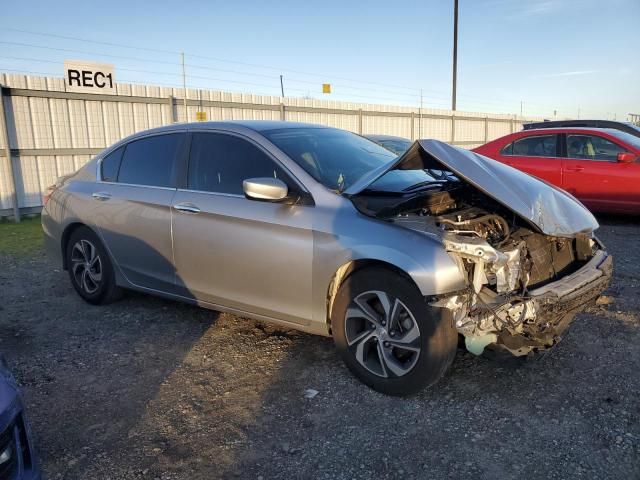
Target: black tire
[98,285]
[437,341]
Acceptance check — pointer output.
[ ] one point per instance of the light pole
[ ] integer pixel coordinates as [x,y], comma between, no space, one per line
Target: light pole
[455,54]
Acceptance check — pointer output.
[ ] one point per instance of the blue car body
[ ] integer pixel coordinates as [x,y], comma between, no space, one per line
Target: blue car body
[17,456]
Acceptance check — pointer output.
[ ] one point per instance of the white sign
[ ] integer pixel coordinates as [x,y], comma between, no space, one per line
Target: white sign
[89,77]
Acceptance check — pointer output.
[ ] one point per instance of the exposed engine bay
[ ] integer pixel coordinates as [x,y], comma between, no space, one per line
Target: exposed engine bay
[513,272]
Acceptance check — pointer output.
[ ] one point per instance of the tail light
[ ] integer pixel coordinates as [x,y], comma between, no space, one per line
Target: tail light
[47,195]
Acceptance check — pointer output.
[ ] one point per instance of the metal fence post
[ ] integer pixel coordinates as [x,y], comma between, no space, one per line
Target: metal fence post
[5,138]
[413,132]
[486,129]
[360,121]
[172,117]
[453,129]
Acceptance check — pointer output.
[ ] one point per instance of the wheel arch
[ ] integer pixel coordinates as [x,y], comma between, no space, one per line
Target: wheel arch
[349,268]
[66,235]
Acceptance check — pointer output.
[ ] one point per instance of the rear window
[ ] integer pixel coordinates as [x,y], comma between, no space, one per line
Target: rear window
[111,165]
[538,146]
[151,160]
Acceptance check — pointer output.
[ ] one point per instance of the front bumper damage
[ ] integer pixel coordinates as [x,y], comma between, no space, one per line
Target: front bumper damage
[534,321]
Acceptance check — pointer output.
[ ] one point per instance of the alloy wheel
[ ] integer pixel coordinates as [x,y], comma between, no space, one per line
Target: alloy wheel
[86,266]
[382,334]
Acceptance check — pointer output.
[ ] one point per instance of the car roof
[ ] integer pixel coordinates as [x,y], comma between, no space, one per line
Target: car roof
[256,125]
[561,123]
[547,131]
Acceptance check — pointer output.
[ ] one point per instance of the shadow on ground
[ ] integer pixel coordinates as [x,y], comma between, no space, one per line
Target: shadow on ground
[148,388]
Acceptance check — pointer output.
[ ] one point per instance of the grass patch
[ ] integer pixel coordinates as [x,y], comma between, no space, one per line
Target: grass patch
[24,238]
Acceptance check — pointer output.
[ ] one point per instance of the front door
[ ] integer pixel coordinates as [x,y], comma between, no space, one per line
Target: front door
[244,254]
[592,173]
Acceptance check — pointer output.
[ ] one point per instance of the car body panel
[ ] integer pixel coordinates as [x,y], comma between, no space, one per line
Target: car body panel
[250,255]
[551,210]
[14,429]
[604,186]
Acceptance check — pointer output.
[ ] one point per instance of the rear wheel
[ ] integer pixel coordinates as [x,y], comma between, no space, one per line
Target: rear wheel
[388,335]
[90,268]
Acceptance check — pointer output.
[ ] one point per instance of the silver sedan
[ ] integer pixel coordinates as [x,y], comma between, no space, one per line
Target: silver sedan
[321,230]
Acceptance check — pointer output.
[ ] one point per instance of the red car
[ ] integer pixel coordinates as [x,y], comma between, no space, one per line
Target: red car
[600,167]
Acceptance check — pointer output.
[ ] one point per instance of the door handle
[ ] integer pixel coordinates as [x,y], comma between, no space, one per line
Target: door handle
[575,169]
[101,196]
[187,208]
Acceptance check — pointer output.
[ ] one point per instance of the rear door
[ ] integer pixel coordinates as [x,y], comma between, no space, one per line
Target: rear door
[134,208]
[537,155]
[249,255]
[592,173]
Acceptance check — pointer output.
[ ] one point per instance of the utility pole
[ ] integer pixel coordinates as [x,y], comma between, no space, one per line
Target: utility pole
[455,54]
[184,87]
[281,86]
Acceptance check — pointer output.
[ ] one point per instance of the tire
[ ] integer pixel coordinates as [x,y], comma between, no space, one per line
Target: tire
[416,342]
[90,268]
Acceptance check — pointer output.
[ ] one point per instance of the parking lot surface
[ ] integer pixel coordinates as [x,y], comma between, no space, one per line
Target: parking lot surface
[149,388]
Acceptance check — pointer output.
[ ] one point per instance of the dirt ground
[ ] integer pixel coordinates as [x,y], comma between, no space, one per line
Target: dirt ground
[148,388]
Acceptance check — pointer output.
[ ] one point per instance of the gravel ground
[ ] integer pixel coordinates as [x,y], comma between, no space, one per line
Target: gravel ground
[148,388]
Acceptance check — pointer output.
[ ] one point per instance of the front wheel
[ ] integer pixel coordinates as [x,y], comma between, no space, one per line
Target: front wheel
[388,335]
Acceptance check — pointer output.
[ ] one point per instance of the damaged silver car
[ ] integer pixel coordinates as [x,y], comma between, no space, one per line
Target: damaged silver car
[321,230]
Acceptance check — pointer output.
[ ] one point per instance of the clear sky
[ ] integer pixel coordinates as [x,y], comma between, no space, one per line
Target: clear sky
[572,56]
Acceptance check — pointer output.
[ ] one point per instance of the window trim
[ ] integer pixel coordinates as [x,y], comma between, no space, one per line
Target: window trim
[566,147]
[183,185]
[179,160]
[557,155]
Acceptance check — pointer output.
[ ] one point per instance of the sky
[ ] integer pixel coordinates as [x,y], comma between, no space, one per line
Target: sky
[568,58]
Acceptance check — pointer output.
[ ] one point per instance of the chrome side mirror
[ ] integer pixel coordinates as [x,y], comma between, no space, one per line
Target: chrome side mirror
[265,188]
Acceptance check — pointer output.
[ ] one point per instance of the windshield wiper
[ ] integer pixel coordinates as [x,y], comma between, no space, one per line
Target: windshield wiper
[426,183]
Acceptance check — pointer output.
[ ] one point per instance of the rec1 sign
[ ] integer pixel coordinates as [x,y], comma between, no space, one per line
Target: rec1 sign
[89,77]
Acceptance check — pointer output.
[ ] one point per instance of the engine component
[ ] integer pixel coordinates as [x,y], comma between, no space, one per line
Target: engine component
[475,221]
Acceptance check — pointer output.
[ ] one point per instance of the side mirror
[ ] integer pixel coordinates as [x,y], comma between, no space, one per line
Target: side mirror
[626,157]
[265,188]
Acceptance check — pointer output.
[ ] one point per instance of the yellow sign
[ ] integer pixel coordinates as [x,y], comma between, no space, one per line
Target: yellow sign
[326,88]
[201,116]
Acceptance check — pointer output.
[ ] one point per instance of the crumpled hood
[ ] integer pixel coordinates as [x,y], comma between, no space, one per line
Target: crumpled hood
[553,211]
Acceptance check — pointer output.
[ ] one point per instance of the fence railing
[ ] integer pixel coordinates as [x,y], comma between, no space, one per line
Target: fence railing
[47,132]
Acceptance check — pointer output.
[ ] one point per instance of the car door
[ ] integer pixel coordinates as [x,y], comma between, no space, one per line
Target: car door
[249,255]
[592,173]
[537,155]
[133,214]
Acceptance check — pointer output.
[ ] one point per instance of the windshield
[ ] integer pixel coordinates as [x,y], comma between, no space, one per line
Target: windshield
[628,139]
[335,158]
[396,146]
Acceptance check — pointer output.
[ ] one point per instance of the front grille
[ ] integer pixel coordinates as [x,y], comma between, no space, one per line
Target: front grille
[11,451]
[8,453]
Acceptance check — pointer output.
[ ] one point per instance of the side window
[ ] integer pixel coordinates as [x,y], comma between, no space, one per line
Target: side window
[111,165]
[591,147]
[538,146]
[151,160]
[507,149]
[219,163]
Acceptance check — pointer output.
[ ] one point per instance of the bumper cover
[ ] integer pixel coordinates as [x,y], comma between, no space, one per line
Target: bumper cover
[555,305]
